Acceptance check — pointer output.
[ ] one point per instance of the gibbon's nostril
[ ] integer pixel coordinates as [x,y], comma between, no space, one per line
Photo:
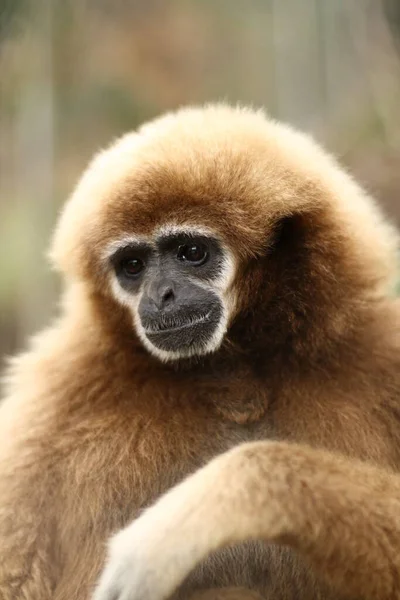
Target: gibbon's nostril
[167,296]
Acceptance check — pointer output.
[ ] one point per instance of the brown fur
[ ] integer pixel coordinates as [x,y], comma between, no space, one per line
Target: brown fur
[93,429]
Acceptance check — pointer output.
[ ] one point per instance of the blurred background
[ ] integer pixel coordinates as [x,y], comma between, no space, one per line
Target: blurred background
[74,74]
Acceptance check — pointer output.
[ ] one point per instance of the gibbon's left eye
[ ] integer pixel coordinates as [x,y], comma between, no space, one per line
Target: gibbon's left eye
[195,254]
[131,267]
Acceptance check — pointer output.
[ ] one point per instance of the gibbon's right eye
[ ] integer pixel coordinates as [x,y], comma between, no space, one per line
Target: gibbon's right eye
[193,253]
[131,267]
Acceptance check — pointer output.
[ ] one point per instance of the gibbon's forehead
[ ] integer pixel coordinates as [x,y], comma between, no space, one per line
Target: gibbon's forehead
[229,170]
[215,168]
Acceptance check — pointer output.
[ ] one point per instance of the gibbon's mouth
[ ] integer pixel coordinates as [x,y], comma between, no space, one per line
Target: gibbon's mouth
[162,328]
[183,335]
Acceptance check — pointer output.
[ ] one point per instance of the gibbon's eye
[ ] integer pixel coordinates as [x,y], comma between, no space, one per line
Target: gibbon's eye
[131,267]
[195,254]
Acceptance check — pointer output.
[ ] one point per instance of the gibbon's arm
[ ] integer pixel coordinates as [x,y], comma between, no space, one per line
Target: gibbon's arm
[343,516]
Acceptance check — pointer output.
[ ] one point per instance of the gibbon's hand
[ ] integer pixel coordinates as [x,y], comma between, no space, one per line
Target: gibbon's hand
[342,514]
[210,509]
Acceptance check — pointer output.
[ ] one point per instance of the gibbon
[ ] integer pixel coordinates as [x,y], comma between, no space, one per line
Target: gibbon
[228,327]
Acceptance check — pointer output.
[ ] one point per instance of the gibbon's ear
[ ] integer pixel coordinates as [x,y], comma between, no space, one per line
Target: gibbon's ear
[289,232]
[323,241]
[310,193]
[310,233]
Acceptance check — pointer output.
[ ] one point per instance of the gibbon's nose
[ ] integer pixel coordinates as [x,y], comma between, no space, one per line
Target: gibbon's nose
[162,295]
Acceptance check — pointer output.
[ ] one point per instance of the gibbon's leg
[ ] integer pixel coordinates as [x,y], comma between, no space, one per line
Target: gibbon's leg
[226,594]
[342,516]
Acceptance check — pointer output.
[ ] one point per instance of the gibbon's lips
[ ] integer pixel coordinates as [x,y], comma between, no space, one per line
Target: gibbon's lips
[182,334]
[164,327]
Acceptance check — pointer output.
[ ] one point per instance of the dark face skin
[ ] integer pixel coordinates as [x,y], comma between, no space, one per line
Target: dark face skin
[178,309]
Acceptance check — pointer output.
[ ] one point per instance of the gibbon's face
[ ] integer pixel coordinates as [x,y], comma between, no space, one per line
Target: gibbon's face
[176,285]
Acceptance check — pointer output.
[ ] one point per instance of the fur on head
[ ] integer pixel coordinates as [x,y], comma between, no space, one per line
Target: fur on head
[301,241]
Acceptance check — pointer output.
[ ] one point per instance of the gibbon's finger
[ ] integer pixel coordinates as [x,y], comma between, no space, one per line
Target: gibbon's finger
[343,515]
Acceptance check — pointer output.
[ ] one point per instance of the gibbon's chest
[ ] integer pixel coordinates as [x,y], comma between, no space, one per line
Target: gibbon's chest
[162,428]
[168,430]
[220,411]
[143,439]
